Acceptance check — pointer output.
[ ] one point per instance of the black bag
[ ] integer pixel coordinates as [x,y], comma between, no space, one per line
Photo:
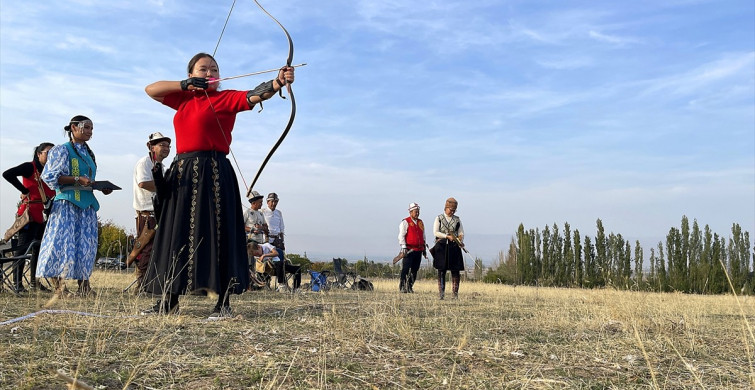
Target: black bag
[278,243]
[433,250]
[162,187]
[363,284]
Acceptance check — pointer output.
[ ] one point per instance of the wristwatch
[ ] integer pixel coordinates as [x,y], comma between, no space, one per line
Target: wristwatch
[76,180]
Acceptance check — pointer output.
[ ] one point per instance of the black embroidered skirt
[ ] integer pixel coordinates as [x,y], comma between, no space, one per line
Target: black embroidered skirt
[447,256]
[199,244]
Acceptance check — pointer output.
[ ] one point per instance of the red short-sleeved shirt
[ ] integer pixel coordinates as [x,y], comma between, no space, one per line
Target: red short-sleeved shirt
[196,123]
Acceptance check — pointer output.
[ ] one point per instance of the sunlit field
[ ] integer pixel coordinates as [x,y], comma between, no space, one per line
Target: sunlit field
[492,337]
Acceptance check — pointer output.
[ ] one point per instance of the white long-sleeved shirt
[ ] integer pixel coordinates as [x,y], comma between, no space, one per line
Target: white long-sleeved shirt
[274,220]
[402,229]
[436,227]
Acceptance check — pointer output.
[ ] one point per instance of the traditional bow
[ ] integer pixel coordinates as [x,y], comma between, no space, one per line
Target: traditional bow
[290,94]
[288,88]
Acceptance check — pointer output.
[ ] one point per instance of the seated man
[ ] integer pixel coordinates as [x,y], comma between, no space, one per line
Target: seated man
[268,250]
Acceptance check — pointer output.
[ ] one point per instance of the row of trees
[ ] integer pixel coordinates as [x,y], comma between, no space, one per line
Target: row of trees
[693,260]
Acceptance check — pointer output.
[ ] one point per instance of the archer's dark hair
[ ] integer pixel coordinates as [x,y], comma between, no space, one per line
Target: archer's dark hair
[39,150]
[75,120]
[196,58]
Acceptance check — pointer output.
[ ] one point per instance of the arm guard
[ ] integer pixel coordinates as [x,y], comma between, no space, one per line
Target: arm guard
[259,90]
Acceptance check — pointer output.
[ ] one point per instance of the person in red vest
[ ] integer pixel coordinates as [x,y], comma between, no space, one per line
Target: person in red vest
[34,195]
[411,237]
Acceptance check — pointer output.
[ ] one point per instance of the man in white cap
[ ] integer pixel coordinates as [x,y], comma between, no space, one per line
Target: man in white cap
[144,189]
[274,220]
[276,228]
[411,238]
[254,221]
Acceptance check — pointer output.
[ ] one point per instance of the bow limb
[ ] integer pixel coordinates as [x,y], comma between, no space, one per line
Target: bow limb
[290,94]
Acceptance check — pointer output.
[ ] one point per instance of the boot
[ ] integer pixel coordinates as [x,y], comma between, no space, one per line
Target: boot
[402,286]
[442,284]
[37,285]
[61,291]
[85,289]
[18,277]
[455,280]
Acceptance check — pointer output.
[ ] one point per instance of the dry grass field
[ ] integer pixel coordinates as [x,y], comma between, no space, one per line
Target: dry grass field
[492,337]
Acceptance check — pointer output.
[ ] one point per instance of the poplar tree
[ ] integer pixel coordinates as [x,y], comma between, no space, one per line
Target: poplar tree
[545,274]
[568,257]
[534,243]
[652,277]
[590,266]
[683,263]
[696,276]
[718,283]
[578,265]
[626,261]
[661,270]
[601,255]
[557,263]
[638,260]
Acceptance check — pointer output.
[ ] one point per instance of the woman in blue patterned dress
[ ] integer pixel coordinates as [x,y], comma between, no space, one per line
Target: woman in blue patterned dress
[69,245]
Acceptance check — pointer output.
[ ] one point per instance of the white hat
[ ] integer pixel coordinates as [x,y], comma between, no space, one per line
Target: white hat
[413,206]
[254,195]
[157,137]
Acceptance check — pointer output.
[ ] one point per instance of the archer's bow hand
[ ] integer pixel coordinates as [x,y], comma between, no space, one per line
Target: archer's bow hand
[286,75]
[194,83]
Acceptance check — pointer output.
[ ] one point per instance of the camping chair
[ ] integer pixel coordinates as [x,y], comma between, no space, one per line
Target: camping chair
[9,262]
[319,281]
[288,275]
[261,275]
[341,278]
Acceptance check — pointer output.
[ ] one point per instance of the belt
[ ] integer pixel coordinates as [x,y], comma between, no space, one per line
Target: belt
[145,213]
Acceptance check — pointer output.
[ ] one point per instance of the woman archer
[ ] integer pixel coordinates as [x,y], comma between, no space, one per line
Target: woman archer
[200,244]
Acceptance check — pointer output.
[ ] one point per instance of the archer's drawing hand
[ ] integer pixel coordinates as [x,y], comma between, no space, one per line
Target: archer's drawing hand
[194,84]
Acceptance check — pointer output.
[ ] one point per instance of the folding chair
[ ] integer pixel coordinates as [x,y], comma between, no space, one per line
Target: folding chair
[9,262]
[341,278]
[261,275]
[319,281]
[288,275]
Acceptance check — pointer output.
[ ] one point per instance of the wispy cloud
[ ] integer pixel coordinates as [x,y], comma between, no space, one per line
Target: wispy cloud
[526,112]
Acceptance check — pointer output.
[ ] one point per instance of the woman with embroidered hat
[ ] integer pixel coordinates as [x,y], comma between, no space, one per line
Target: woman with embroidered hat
[449,239]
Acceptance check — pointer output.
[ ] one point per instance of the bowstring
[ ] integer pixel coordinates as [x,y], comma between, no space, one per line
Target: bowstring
[212,107]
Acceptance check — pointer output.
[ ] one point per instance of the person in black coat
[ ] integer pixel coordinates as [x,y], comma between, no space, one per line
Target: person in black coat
[449,241]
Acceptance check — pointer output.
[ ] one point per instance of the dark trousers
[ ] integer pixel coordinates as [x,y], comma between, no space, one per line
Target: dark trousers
[32,231]
[409,268]
[281,267]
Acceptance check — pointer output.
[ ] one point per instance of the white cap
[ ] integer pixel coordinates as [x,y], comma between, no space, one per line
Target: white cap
[413,206]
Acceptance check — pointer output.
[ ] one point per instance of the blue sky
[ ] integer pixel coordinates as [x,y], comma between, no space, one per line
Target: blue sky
[534,112]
